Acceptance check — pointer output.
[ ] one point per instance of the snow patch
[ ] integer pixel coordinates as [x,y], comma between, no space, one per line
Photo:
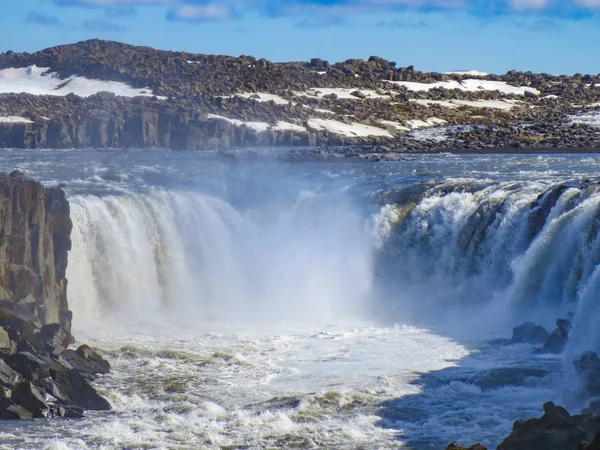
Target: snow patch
[470,73]
[470,85]
[343,93]
[39,81]
[491,104]
[591,118]
[262,97]
[415,124]
[257,126]
[287,126]
[397,125]
[349,130]
[15,119]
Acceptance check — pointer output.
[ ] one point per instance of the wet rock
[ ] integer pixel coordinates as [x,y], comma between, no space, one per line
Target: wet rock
[7,347]
[27,395]
[555,430]
[29,366]
[455,446]
[85,361]
[78,391]
[507,376]
[15,412]
[55,336]
[68,412]
[8,376]
[587,369]
[529,333]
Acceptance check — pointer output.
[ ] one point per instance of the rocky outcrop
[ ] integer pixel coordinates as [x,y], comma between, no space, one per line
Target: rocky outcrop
[39,376]
[35,229]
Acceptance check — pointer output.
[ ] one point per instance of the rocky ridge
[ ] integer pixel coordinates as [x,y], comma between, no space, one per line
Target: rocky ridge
[222,102]
[40,377]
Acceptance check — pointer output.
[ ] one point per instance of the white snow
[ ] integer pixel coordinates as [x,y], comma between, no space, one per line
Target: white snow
[262,97]
[551,96]
[287,126]
[491,104]
[344,93]
[415,124]
[470,85]
[258,126]
[591,118]
[344,129]
[15,119]
[38,81]
[397,125]
[470,73]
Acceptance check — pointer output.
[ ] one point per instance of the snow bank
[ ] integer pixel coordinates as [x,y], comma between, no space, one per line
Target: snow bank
[470,85]
[287,126]
[15,119]
[258,126]
[591,118]
[397,125]
[38,81]
[491,104]
[349,130]
[415,124]
[470,73]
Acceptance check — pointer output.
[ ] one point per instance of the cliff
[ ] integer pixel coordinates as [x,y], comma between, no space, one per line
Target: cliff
[112,95]
[35,229]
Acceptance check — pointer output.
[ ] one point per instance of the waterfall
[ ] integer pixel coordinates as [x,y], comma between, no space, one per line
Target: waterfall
[186,257]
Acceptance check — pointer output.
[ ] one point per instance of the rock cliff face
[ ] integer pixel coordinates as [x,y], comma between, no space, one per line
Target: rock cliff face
[35,230]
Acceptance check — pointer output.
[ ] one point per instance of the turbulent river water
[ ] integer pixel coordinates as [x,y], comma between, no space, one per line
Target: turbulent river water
[342,305]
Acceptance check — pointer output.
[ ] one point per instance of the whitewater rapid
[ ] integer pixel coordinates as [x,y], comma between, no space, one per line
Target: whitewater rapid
[331,305]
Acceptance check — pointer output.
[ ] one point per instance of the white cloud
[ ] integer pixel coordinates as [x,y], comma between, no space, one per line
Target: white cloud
[212,12]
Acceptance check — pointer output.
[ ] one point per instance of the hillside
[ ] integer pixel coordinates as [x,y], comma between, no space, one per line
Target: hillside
[107,94]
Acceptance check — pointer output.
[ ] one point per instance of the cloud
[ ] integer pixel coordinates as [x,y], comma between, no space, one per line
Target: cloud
[201,13]
[315,10]
[40,18]
[102,25]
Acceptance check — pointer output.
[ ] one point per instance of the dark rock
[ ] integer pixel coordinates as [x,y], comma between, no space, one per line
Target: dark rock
[8,376]
[555,430]
[55,336]
[68,412]
[556,342]
[86,361]
[529,333]
[15,412]
[27,395]
[31,367]
[455,446]
[73,386]
[507,376]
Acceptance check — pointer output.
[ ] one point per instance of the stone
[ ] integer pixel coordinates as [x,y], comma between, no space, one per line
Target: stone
[27,395]
[85,361]
[556,342]
[29,366]
[7,347]
[73,386]
[68,412]
[529,333]
[8,376]
[455,446]
[55,336]
[15,412]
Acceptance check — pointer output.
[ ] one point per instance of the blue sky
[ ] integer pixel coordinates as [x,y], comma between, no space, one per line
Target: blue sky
[554,36]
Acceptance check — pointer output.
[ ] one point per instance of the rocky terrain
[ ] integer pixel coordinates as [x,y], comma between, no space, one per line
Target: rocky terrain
[107,94]
[40,377]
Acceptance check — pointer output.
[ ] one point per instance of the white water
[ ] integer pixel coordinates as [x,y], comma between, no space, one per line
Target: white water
[277,313]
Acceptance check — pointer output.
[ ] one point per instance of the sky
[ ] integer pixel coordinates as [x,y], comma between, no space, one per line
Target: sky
[552,36]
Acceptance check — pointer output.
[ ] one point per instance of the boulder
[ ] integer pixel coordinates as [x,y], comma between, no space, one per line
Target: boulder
[8,376]
[529,333]
[77,390]
[555,430]
[55,336]
[29,366]
[455,446]
[558,338]
[7,347]
[27,395]
[85,361]
[587,369]
[68,412]
[15,412]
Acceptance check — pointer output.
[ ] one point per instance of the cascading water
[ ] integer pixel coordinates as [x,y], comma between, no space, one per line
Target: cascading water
[331,305]
[194,257]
